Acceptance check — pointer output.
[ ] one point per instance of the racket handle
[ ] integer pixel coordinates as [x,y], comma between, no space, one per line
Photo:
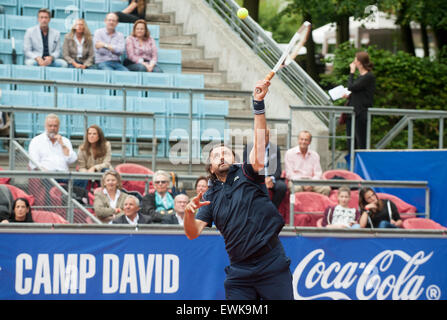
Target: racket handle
[268,78]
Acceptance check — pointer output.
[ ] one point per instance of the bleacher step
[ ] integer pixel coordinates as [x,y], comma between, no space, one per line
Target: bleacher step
[185,40]
[199,65]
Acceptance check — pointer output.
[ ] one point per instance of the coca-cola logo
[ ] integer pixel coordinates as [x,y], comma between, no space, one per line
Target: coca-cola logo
[372,280]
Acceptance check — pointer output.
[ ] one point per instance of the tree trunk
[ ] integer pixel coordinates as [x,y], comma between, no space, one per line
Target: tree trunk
[406,36]
[440,37]
[424,35]
[253,8]
[342,29]
[311,66]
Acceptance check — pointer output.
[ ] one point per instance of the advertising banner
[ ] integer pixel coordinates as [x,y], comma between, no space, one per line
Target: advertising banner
[147,266]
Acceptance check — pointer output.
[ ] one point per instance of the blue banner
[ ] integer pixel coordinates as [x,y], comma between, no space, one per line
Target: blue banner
[147,266]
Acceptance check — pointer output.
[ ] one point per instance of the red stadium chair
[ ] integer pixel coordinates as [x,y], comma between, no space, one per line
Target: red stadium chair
[402,206]
[134,168]
[353,203]
[347,175]
[5,180]
[421,223]
[284,207]
[19,193]
[310,202]
[41,216]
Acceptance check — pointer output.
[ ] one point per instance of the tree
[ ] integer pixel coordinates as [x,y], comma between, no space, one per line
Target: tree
[253,7]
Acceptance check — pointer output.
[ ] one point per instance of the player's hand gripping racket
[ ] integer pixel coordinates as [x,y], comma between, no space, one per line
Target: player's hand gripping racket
[296,43]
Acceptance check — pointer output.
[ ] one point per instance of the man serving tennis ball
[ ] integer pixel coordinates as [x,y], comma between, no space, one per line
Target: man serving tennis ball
[237,202]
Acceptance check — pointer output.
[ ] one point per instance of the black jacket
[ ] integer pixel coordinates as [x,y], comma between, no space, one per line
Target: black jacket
[122,219]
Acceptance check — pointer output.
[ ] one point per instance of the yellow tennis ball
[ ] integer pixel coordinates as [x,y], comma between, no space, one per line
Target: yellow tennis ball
[242,13]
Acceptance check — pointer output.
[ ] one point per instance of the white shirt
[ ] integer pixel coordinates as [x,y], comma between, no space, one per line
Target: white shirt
[112,202]
[179,218]
[343,216]
[50,155]
[79,45]
[134,222]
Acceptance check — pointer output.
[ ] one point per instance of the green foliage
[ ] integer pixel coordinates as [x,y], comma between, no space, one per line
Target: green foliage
[402,81]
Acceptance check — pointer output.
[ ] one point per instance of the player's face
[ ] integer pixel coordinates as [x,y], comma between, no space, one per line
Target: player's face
[221,158]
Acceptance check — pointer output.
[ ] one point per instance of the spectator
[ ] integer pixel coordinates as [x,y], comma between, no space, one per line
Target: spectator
[161,201]
[134,11]
[341,216]
[95,154]
[109,45]
[109,200]
[376,212]
[201,185]
[361,98]
[78,46]
[272,169]
[21,211]
[141,49]
[41,44]
[302,163]
[180,202]
[49,150]
[6,200]
[132,213]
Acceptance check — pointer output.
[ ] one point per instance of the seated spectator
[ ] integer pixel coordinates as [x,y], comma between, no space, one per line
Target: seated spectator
[134,11]
[142,54]
[341,216]
[49,150]
[201,185]
[95,153]
[161,200]
[41,44]
[21,211]
[377,213]
[109,45]
[302,163]
[272,169]
[109,200]
[180,202]
[132,213]
[78,46]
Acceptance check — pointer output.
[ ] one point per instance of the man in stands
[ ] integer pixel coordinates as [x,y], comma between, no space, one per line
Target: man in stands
[49,150]
[180,202]
[41,43]
[302,163]
[109,45]
[132,213]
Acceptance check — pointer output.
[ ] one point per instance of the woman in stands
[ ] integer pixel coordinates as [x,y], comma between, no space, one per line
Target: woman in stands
[376,212]
[201,184]
[109,200]
[141,49]
[134,11]
[77,49]
[21,211]
[161,201]
[341,215]
[361,98]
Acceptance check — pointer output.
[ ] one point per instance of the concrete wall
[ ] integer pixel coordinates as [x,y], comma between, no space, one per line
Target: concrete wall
[244,66]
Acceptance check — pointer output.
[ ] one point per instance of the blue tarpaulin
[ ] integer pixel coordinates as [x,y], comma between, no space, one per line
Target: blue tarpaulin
[413,165]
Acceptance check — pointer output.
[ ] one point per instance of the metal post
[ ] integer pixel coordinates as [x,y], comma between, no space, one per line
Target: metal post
[55,96]
[292,205]
[123,138]
[410,133]
[368,131]
[154,144]
[12,153]
[351,164]
[70,214]
[441,133]
[190,132]
[427,202]
[332,130]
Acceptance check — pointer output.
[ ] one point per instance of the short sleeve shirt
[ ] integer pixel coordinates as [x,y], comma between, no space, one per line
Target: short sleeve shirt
[242,211]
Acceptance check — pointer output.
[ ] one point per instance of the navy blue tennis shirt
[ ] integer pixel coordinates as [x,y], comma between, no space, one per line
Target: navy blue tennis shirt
[242,211]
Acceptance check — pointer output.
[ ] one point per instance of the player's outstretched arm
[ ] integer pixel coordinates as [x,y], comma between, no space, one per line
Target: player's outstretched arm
[192,226]
[260,125]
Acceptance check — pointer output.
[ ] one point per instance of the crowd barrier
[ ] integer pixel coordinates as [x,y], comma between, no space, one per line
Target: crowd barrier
[55,262]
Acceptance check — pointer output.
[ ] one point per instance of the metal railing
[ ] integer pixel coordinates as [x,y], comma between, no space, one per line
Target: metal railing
[408,116]
[269,51]
[361,184]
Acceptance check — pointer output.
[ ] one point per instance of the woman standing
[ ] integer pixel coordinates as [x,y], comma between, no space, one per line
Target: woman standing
[377,212]
[142,53]
[78,46]
[361,98]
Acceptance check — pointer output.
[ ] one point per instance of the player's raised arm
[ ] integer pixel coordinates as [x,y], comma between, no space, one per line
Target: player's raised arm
[260,125]
[192,226]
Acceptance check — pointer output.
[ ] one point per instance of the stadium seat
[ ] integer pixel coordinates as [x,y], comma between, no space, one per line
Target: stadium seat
[113,126]
[5,72]
[212,119]
[31,7]
[94,9]
[196,81]
[138,186]
[64,8]
[310,202]
[422,223]
[19,193]
[170,60]
[124,28]
[157,80]
[11,6]
[42,216]
[144,127]
[402,206]
[347,175]
[28,72]
[81,102]
[154,30]
[63,26]
[6,51]
[24,122]
[4,180]
[353,202]
[126,78]
[62,74]
[94,76]
[3,32]
[46,100]
[117,5]
[16,25]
